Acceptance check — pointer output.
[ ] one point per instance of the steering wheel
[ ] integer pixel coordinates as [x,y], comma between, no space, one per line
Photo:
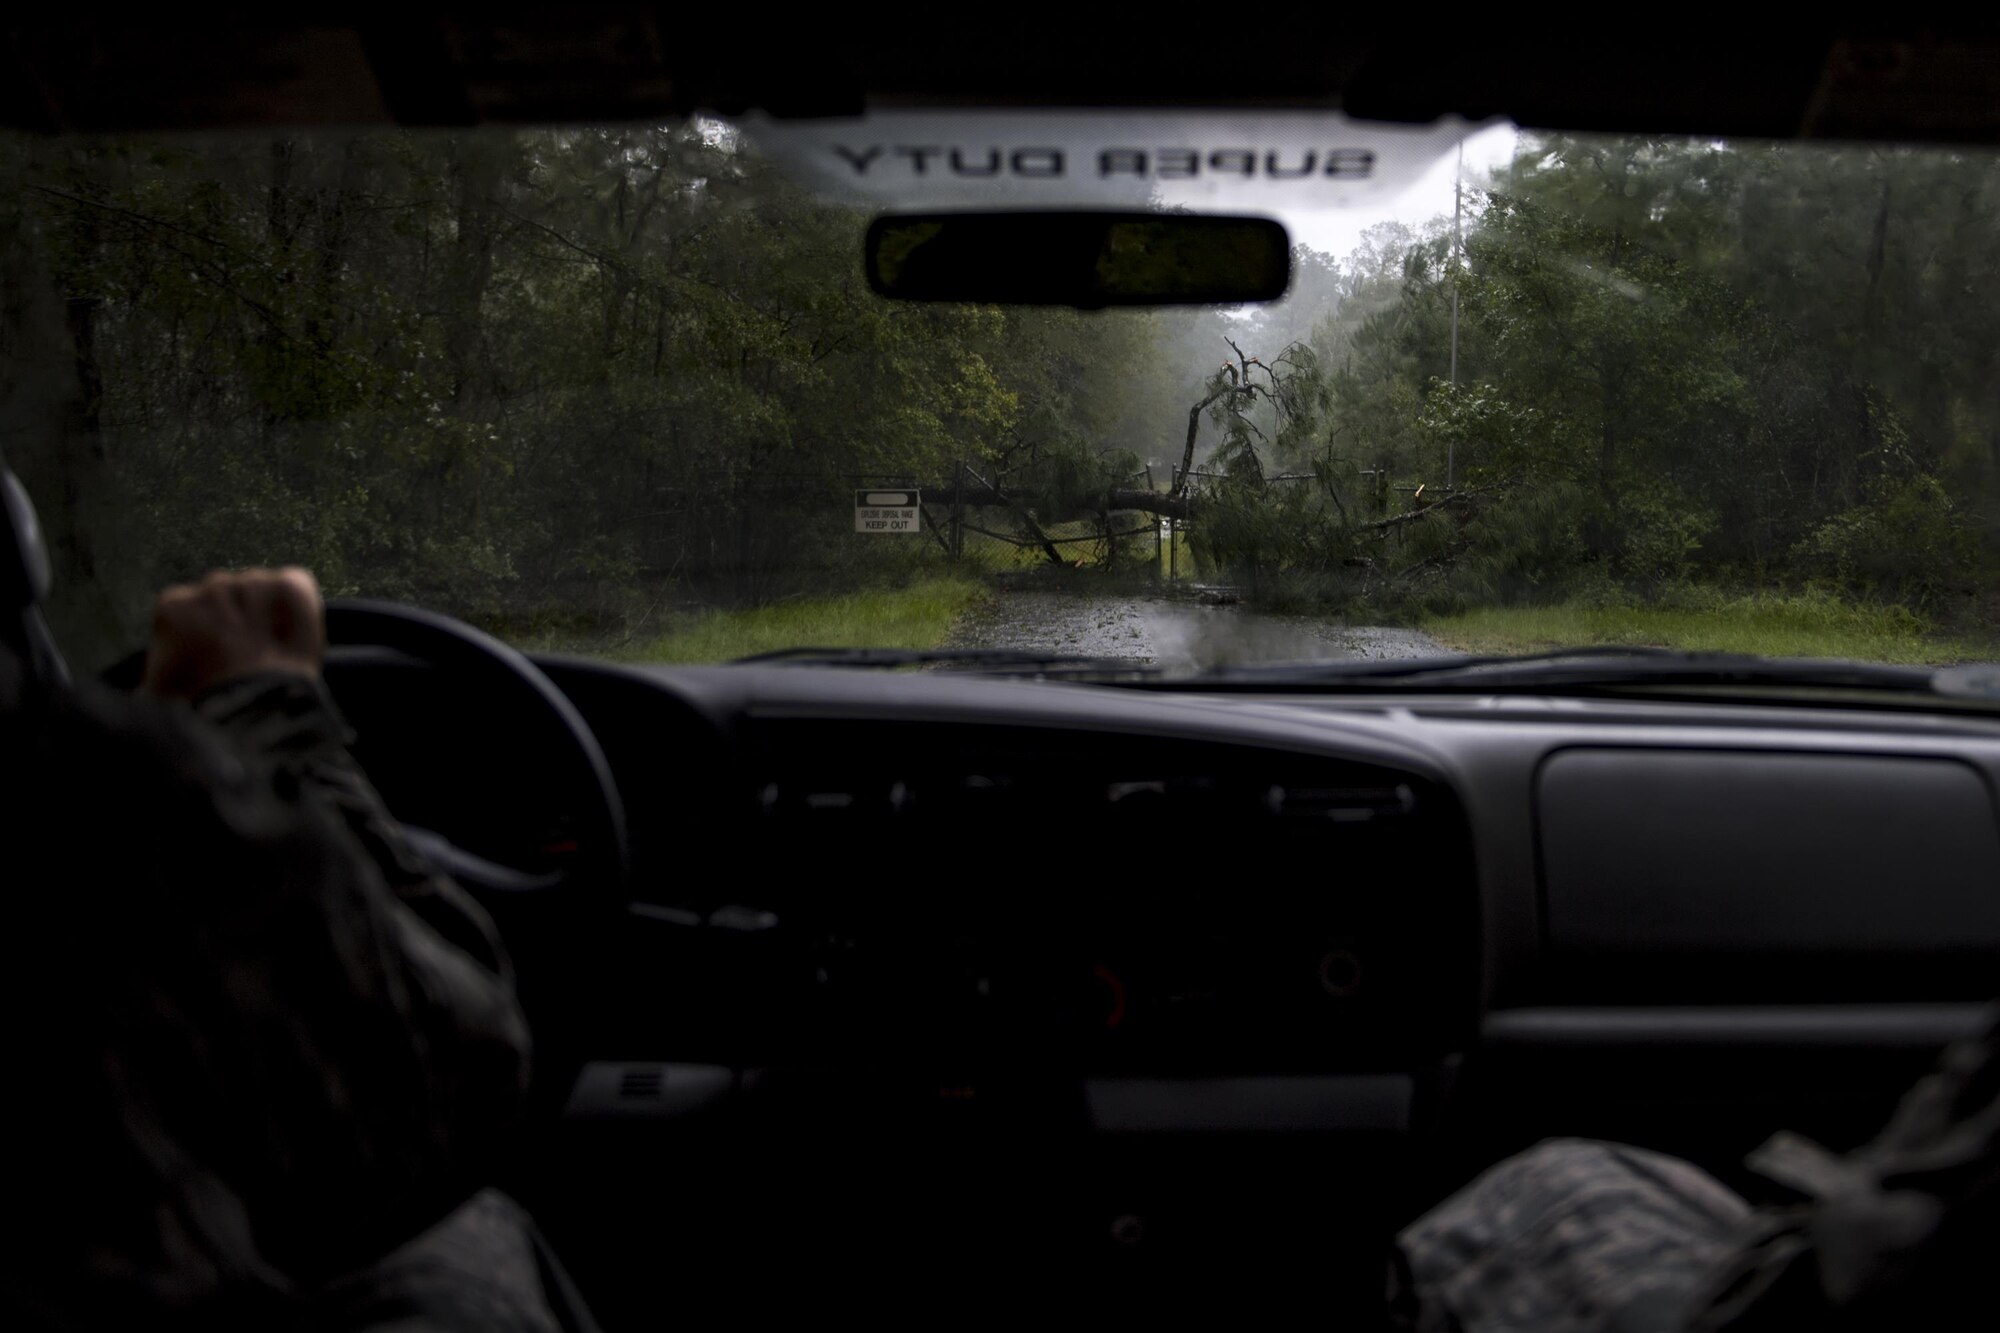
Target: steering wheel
[553,911]
[603,856]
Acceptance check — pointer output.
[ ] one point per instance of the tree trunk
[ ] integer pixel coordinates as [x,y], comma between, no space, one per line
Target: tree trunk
[1878,249]
[51,406]
[470,266]
[1035,530]
[1117,497]
[467,273]
[335,206]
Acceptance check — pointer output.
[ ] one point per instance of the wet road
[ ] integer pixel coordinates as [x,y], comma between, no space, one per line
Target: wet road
[1180,634]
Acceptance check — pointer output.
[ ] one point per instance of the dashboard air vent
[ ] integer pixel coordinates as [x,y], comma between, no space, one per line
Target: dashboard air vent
[640,1082]
[1343,805]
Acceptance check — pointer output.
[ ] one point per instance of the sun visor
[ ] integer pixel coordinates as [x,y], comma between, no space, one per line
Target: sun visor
[1205,161]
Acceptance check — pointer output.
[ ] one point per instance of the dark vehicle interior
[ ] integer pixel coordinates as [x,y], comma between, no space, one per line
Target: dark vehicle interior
[813,1035]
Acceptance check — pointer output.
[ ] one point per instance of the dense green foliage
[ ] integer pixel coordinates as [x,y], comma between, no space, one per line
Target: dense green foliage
[1679,364]
[1811,624]
[560,375]
[574,381]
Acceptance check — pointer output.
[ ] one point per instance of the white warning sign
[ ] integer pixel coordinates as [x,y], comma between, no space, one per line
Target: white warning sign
[887,511]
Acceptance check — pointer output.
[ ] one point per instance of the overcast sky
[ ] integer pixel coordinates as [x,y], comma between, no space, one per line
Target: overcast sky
[1337,231]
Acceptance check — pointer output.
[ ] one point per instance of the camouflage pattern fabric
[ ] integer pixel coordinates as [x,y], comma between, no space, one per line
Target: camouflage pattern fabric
[257,1043]
[483,1269]
[1572,1236]
[1576,1235]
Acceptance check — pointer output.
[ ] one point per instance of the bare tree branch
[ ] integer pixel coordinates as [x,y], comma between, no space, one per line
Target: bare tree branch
[1020,512]
[1194,426]
[1456,500]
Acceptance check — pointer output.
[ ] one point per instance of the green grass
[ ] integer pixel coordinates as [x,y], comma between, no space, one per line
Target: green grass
[1807,626]
[917,616]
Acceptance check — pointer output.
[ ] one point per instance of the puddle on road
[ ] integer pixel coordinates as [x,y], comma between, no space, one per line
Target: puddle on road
[1174,634]
[1192,637]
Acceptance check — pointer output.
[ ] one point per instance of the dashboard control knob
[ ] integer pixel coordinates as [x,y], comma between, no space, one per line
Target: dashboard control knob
[1339,973]
[1111,993]
[744,920]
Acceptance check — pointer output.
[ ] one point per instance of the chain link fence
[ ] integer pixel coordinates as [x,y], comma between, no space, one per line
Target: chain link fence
[757,537]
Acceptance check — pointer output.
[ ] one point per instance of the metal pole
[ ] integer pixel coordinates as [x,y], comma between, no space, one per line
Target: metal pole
[1457,238]
[1454,331]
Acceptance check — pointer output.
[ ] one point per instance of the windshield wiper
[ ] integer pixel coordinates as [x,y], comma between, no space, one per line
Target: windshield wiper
[1611,667]
[1017,659]
[1580,670]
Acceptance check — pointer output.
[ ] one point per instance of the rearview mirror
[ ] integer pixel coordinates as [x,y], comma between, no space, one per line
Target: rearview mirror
[1087,260]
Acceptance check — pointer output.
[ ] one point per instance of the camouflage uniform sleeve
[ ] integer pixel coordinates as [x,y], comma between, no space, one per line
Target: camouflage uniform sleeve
[450,979]
[292,723]
[270,1045]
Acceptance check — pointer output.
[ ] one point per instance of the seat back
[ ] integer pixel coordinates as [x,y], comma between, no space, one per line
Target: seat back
[24,583]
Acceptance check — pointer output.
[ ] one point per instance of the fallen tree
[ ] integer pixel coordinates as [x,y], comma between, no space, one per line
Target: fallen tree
[1113,499]
[1037,486]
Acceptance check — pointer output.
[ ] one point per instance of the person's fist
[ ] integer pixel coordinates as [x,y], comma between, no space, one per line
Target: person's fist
[234,623]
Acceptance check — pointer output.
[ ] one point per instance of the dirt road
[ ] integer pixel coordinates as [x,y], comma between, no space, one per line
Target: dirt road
[1180,634]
